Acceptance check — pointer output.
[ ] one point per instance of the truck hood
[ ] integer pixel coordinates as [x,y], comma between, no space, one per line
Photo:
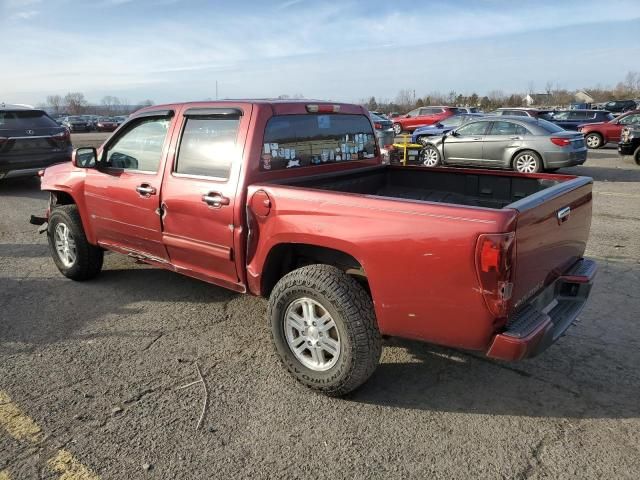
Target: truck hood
[595,124]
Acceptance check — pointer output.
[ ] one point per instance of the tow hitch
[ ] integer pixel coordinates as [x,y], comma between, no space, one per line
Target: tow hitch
[42,221]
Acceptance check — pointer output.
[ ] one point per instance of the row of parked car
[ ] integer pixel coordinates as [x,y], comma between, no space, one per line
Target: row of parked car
[527,140]
[89,123]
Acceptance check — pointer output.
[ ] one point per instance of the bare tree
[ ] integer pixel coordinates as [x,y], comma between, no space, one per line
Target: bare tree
[110,103]
[75,103]
[55,102]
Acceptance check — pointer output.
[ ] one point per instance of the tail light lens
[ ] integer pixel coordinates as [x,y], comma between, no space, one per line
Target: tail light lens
[494,266]
[377,126]
[560,141]
[62,136]
[2,140]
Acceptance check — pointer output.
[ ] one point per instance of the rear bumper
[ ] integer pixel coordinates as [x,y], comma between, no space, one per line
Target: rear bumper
[29,164]
[565,159]
[547,316]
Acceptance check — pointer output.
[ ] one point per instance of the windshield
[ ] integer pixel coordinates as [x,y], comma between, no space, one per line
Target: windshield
[452,121]
[293,141]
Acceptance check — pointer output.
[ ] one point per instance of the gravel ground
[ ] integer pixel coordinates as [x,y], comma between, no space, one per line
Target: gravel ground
[97,365]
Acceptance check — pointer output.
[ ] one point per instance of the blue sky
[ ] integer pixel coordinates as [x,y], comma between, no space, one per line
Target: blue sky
[175,50]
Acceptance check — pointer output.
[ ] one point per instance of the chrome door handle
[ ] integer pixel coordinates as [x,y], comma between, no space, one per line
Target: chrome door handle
[145,190]
[215,199]
[478,138]
[515,138]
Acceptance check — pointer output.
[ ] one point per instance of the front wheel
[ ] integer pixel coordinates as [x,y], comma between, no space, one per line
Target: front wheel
[324,329]
[527,162]
[74,256]
[430,156]
[397,128]
[636,156]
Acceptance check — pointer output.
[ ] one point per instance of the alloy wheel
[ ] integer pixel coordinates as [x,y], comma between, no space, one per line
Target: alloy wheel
[527,163]
[312,334]
[65,245]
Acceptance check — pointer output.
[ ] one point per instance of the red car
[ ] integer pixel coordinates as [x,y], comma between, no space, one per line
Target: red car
[597,135]
[420,117]
[291,201]
[106,124]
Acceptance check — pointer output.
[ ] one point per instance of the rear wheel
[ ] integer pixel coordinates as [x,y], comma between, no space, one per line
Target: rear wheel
[74,256]
[324,329]
[594,140]
[527,161]
[397,128]
[430,156]
[636,156]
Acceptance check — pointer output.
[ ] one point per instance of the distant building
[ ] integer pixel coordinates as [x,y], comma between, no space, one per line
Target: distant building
[537,99]
[582,96]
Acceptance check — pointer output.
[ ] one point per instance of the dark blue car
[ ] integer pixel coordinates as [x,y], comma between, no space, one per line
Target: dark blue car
[572,119]
[443,126]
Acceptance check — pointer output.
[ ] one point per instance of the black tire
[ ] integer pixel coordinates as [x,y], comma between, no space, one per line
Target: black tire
[351,309]
[636,156]
[430,156]
[595,139]
[397,128]
[88,258]
[528,156]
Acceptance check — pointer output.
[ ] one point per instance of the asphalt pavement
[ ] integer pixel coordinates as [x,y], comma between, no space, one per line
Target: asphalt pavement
[90,376]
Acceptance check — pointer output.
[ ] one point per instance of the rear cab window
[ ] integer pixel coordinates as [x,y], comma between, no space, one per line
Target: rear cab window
[298,141]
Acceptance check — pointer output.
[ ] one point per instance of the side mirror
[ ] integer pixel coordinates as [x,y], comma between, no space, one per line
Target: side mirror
[84,157]
[452,133]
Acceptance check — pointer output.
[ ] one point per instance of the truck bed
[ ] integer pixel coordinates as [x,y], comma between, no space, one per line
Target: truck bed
[460,187]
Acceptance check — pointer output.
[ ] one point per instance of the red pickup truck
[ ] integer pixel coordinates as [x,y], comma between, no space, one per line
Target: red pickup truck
[292,201]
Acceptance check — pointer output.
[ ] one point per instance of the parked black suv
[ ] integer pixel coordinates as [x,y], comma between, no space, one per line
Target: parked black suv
[572,119]
[630,142]
[620,106]
[29,141]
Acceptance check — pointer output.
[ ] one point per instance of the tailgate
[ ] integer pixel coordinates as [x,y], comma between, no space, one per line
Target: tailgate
[551,235]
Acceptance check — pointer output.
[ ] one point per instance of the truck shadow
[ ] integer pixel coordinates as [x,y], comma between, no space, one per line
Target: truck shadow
[448,381]
[42,311]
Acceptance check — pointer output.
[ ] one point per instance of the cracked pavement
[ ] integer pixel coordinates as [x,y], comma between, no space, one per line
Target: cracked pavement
[97,366]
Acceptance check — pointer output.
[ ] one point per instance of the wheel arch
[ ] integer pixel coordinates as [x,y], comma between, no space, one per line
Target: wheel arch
[64,197]
[286,257]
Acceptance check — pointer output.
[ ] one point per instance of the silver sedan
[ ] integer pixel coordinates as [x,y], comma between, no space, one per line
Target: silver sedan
[526,145]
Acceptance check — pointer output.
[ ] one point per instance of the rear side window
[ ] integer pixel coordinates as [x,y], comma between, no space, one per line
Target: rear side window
[26,119]
[549,127]
[208,147]
[293,141]
[507,128]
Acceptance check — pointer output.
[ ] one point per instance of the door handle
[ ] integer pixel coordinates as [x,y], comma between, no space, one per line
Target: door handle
[477,138]
[515,138]
[215,199]
[145,190]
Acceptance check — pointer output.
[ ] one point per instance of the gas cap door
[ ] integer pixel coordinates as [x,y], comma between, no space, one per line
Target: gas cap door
[260,203]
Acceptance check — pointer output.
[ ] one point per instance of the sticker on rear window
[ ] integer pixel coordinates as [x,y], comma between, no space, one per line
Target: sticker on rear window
[324,121]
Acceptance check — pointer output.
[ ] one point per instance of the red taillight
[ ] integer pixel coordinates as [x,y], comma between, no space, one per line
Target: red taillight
[2,140]
[64,135]
[377,126]
[324,108]
[494,265]
[561,142]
